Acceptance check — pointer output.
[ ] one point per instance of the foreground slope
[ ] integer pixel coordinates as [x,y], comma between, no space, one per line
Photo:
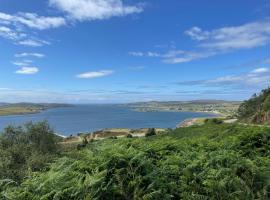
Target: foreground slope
[213,161]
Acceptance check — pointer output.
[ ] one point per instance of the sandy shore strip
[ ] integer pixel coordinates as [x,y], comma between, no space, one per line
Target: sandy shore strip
[188,122]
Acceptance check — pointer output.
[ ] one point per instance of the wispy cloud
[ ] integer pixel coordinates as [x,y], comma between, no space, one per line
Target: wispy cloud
[247,36]
[10,34]
[175,56]
[27,70]
[22,63]
[196,33]
[260,70]
[95,74]
[145,54]
[33,42]
[19,37]
[17,27]
[137,53]
[32,20]
[94,9]
[25,54]
[218,41]
[259,77]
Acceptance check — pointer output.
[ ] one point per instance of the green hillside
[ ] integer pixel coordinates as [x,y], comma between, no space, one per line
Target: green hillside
[27,108]
[212,161]
[256,109]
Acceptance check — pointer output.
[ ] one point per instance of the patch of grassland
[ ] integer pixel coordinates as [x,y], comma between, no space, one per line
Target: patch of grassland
[18,110]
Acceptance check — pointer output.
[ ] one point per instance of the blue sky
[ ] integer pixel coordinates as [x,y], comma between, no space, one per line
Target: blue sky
[109,51]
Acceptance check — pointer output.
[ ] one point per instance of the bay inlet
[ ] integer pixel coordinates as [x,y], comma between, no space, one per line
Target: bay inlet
[88,118]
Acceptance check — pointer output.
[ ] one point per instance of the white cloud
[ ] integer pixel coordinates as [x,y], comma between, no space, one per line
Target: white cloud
[37,55]
[260,70]
[10,34]
[146,54]
[18,63]
[22,63]
[175,56]
[94,9]
[247,36]
[33,42]
[27,70]
[196,33]
[95,74]
[259,77]
[5,17]
[32,20]
[136,53]
[217,41]
[16,27]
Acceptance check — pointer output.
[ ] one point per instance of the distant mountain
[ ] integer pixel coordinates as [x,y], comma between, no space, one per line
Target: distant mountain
[3,104]
[256,109]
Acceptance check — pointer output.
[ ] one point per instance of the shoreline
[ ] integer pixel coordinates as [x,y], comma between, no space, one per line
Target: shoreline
[7,110]
[218,114]
[107,133]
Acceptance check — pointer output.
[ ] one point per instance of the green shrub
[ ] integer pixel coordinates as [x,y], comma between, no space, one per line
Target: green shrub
[26,148]
[213,121]
[150,132]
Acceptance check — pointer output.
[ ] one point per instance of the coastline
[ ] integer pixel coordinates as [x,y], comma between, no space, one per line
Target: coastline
[14,110]
[217,113]
[107,133]
[19,114]
[124,131]
[217,107]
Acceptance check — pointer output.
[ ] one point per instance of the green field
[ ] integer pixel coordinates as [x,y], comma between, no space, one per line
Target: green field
[18,110]
[26,108]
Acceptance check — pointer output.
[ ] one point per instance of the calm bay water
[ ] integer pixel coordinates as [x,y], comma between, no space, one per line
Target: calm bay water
[85,118]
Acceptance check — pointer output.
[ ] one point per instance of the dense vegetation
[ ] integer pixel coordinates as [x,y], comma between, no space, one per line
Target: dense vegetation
[213,161]
[27,149]
[256,109]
